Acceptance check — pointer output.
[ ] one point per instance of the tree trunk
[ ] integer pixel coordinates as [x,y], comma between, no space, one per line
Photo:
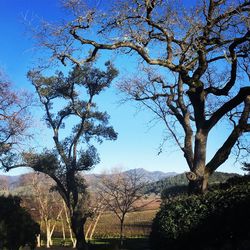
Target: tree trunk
[69,225]
[94,226]
[197,184]
[38,239]
[48,234]
[198,178]
[63,229]
[121,231]
[77,223]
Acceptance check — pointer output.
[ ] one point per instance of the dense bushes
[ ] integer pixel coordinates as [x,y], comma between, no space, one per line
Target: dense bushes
[16,226]
[216,220]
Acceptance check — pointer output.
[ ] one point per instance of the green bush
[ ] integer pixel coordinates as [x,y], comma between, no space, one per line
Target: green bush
[208,221]
[16,225]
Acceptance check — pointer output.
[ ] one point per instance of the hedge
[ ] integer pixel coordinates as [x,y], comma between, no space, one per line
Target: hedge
[216,220]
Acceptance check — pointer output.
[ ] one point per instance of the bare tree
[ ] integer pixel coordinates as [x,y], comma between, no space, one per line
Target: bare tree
[206,48]
[66,216]
[14,120]
[98,207]
[43,203]
[120,192]
[48,203]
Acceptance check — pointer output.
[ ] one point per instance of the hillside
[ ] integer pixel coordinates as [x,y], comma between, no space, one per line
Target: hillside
[180,180]
[157,181]
[152,176]
[92,179]
[147,176]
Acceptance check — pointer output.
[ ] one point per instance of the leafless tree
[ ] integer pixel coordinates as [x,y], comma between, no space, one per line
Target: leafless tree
[120,192]
[44,204]
[98,207]
[49,205]
[14,120]
[204,46]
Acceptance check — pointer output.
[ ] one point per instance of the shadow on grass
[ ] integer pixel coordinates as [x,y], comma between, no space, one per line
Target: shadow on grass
[109,244]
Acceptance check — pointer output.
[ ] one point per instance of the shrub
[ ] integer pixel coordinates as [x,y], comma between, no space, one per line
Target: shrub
[16,225]
[208,221]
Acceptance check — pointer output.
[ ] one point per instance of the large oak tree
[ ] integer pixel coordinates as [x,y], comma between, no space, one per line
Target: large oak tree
[202,50]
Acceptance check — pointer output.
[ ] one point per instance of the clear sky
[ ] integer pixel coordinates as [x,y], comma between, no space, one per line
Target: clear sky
[138,139]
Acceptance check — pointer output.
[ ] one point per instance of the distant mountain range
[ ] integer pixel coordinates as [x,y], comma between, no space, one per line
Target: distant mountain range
[148,176]
[156,180]
[152,176]
[10,181]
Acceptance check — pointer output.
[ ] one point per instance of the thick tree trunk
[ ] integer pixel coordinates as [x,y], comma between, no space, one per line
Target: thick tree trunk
[77,223]
[198,178]
[197,184]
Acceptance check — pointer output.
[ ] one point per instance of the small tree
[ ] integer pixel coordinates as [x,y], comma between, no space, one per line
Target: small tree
[120,191]
[43,203]
[62,98]
[48,204]
[98,207]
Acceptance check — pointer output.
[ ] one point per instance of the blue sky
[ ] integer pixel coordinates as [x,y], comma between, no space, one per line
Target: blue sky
[138,139]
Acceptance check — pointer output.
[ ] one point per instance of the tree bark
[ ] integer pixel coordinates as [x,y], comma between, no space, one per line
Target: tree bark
[48,239]
[198,177]
[121,231]
[77,223]
[69,225]
[197,184]
[94,226]
[38,239]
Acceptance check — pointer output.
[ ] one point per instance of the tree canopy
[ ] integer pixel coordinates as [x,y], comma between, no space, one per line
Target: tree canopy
[68,103]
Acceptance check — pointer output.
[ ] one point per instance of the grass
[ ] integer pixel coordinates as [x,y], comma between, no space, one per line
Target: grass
[106,237]
[111,244]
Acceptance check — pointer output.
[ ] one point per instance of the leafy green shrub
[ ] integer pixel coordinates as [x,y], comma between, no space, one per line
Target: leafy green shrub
[16,225]
[207,221]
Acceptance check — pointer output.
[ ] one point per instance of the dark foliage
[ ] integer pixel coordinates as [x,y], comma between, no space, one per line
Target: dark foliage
[215,220]
[246,167]
[16,225]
